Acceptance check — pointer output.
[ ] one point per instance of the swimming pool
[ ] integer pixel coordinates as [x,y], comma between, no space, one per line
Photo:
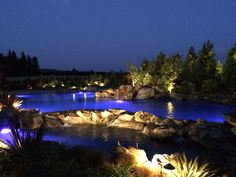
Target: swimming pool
[50,102]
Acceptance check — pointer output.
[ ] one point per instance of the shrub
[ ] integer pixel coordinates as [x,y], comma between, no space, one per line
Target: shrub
[186,88]
[192,168]
[209,86]
[122,171]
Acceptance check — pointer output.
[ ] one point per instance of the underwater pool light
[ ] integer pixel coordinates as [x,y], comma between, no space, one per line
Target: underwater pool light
[5,130]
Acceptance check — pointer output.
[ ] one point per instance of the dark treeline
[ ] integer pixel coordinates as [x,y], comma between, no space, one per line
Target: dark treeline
[197,72]
[23,65]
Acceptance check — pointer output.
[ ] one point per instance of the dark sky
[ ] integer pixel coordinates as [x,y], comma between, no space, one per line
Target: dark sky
[104,34]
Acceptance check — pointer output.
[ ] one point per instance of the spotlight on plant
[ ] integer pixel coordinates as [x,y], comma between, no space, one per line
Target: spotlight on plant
[189,168]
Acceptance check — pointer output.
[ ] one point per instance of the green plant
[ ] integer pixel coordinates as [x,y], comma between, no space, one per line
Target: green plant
[209,86]
[68,168]
[23,141]
[9,101]
[122,171]
[186,168]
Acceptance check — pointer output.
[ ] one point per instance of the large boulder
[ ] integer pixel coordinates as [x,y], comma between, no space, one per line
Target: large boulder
[71,120]
[53,122]
[159,132]
[231,118]
[158,89]
[127,124]
[146,117]
[30,119]
[124,92]
[108,93]
[125,117]
[145,93]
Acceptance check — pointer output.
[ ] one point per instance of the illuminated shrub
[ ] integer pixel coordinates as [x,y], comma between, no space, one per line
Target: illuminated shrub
[186,168]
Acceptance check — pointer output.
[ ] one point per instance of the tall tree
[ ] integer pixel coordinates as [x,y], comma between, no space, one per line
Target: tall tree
[189,66]
[230,68]
[170,71]
[35,66]
[206,65]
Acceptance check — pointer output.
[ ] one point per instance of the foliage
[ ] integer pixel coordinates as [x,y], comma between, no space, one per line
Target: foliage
[122,171]
[25,64]
[170,71]
[230,68]
[23,140]
[9,101]
[189,66]
[192,168]
[206,64]
[202,69]
[186,88]
[9,105]
[209,86]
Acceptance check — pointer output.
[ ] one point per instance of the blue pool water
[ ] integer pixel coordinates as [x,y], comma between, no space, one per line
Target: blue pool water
[105,138]
[49,102]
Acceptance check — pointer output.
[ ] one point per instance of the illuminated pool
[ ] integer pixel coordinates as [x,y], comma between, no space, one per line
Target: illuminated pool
[106,138]
[49,102]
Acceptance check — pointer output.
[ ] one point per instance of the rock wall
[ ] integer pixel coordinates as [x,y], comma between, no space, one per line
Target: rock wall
[206,133]
[128,92]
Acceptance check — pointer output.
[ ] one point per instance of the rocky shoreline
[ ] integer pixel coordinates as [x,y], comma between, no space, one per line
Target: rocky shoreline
[128,92]
[219,138]
[207,134]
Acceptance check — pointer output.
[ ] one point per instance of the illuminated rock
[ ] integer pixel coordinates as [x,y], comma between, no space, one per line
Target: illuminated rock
[108,93]
[125,117]
[145,93]
[145,117]
[127,124]
[124,92]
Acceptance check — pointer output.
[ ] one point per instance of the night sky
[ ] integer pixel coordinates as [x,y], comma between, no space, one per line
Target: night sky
[104,34]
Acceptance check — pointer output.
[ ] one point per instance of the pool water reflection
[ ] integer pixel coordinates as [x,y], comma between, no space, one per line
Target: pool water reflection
[106,138]
[49,102]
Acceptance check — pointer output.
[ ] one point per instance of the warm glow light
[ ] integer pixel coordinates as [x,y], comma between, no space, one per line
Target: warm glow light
[62,85]
[5,131]
[170,109]
[169,165]
[102,84]
[17,103]
[170,87]
[3,145]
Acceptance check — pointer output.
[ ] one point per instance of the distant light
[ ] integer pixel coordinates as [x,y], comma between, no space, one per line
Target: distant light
[73,97]
[80,92]
[5,131]
[102,84]
[119,101]
[85,96]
